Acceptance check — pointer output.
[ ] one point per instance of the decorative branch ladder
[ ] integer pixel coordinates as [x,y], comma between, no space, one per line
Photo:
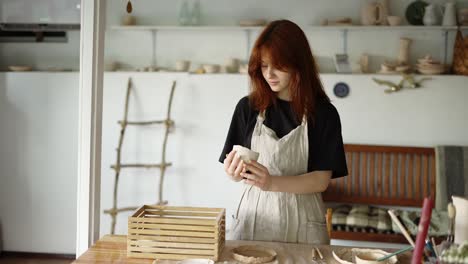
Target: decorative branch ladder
[168,123]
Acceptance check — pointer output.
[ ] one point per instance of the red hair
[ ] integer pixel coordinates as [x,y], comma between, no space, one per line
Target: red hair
[289,50]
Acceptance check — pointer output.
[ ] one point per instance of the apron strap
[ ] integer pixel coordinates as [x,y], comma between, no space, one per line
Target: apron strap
[304,120]
[261,116]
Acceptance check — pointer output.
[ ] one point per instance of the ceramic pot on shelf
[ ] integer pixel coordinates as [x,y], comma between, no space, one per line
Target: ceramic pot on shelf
[385,11]
[430,16]
[463,17]
[415,12]
[184,14]
[373,13]
[403,55]
[450,15]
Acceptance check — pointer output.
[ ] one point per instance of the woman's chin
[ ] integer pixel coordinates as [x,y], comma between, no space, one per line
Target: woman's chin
[275,89]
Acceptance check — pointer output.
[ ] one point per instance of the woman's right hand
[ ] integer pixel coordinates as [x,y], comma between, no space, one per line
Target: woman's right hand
[233,166]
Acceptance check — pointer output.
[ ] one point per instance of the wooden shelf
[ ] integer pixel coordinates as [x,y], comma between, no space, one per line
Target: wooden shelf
[153,29]
[182,28]
[306,27]
[373,28]
[245,74]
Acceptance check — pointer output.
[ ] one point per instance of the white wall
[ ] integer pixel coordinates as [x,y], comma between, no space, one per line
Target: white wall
[433,115]
[38,153]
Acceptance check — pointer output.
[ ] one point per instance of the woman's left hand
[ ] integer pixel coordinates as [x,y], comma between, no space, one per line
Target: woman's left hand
[257,175]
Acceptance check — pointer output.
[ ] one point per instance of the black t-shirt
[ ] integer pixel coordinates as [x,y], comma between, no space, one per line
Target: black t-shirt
[326,151]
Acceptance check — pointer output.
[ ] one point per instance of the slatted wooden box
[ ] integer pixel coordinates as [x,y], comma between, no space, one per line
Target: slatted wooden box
[176,233]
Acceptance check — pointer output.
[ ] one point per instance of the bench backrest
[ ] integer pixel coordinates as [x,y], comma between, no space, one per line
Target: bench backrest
[385,175]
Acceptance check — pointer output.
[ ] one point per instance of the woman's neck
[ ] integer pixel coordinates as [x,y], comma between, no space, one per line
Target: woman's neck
[284,95]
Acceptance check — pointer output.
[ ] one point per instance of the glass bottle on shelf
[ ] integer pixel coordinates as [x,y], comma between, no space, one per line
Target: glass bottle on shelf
[195,15]
[184,15]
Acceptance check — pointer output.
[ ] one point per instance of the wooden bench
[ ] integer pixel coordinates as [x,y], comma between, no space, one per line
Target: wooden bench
[383,175]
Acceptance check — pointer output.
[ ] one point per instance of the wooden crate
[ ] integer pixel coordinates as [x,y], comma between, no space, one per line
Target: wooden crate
[176,233]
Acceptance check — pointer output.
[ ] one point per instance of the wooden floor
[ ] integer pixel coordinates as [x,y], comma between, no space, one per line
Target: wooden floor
[32,260]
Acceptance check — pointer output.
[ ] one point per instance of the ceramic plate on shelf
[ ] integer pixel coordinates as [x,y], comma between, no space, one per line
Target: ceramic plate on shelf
[431,71]
[57,69]
[341,89]
[20,68]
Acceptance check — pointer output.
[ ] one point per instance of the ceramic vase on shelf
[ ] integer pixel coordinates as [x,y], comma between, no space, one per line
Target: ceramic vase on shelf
[450,15]
[374,13]
[195,14]
[463,17]
[385,11]
[430,17]
[403,56]
[184,14]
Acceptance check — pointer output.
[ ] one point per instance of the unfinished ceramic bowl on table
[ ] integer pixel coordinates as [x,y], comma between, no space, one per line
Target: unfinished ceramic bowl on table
[253,254]
[362,256]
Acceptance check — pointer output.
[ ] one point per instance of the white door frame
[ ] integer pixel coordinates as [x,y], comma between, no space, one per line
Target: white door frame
[90,123]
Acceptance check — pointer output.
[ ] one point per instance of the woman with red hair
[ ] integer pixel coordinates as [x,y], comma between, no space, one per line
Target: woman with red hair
[289,120]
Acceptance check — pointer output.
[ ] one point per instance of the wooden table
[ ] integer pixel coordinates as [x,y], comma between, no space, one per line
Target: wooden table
[113,249]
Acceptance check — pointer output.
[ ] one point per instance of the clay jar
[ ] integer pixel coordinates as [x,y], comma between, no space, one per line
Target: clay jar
[374,13]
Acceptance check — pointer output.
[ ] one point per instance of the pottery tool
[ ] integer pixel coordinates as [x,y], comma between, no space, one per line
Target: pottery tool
[329,221]
[395,253]
[314,254]
[401,226]
[451,215]
[430,248]
[319,253]
[435,247]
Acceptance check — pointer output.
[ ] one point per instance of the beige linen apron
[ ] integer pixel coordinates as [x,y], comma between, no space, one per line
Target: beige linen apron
[279,216]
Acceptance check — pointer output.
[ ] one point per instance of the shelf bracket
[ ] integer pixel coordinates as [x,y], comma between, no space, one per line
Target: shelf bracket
[247,43]
[154,47]
[445,51]
[344,35]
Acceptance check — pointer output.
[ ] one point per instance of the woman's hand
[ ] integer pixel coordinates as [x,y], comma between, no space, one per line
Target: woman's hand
[233,166]
[258,175]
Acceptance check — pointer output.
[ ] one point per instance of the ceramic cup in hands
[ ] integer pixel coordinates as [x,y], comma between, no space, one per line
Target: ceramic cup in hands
[233,166]
[245,154]
[235,160]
